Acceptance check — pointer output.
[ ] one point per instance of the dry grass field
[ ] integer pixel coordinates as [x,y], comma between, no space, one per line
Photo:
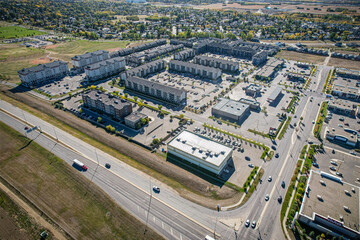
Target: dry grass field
[344,63]
[303,57]
[80,207]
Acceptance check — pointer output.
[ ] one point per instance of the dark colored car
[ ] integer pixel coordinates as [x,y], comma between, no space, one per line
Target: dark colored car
[107,165]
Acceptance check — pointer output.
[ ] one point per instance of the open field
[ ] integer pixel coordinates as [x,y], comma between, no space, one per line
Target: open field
[82,46]
[303,57]
[344,63]
[17,32]
[185,183]
[37,172]
[15,221]
[14,57]
[290,8]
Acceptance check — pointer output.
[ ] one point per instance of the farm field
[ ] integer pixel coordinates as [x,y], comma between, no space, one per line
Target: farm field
[344,63]
[303,57]
[36,172]
[8,32]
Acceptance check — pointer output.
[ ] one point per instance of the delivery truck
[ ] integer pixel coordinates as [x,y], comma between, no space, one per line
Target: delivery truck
[80,164]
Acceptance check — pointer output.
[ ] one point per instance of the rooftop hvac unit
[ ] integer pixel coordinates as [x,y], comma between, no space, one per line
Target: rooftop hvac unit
[200,150]
[204,157]
[178,139]
[193,148]
[184,141]
[341,218]
[222,152]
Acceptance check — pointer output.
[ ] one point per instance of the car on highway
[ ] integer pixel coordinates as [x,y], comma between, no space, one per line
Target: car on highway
[26,128]
[353,153]
[283,184]
[277,155]
[251,165]
[332,168]
[270,179]
[156,189]
[107,165]
[253,225]
[280,199]
[313,121]
[267,197]
[333,163]
[247,223]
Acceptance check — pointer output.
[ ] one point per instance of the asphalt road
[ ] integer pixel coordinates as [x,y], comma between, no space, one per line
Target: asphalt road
[166,212]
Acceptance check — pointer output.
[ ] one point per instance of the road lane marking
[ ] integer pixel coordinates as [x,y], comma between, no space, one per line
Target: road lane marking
[50,137]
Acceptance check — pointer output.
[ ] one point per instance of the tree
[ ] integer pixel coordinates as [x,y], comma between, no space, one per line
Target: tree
[181,116]
[160,107]
[80,110]
[143,121]
[135,98]
[99,119]
[126,95]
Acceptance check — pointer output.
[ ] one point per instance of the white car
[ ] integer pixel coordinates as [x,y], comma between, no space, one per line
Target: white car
[156,189]
[253,225]
[247,223]
[332,168]
[270,179]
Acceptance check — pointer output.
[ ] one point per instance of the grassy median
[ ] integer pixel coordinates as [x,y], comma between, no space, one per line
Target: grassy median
[79,206]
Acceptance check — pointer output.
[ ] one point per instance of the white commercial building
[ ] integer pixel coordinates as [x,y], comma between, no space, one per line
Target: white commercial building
[199,151]
[105,68]
[81,61]
[43,72]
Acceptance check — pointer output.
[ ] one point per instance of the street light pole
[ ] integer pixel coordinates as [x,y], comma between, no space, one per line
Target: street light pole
[55,134]
[147,215]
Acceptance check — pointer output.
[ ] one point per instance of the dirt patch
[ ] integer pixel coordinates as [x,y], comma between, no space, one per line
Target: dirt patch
[51,46]
[195,187]
[9,228]
[41,60]
[344,63]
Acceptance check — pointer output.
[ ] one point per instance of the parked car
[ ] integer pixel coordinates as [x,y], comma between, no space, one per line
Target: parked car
[270,179]
[280,199]
[277,155]
[332,168]
[107,165]
[251,165]
[333,163]
[283,184]
[247,223]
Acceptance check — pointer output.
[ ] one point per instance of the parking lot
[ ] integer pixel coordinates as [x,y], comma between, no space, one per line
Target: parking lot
[347,165]
[62,86]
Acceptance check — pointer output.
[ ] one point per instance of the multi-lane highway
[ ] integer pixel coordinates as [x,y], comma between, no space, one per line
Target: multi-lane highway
[166,212]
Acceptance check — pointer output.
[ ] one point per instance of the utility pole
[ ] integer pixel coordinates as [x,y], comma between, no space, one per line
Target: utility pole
[147,215]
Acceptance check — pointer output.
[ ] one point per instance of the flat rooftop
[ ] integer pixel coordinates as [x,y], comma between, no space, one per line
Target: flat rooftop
[201,147]
[231,107]
[334,200]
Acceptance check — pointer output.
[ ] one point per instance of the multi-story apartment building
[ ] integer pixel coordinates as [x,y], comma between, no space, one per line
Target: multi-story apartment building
[107,103]
[184,54]
[157,90]
[195,69]
[81,61]
[105,68]
[146,69]
[42,73]
[259,58]
[224,65]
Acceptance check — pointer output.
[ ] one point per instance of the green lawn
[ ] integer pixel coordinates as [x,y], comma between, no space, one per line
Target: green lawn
[82,46]
[17,32]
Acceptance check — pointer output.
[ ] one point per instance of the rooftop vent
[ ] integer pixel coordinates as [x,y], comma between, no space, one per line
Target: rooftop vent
[183,141]
[200,150]
[222,152]
[178,139]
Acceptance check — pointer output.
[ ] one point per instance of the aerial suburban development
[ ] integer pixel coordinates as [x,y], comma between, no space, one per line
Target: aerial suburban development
[180,120]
